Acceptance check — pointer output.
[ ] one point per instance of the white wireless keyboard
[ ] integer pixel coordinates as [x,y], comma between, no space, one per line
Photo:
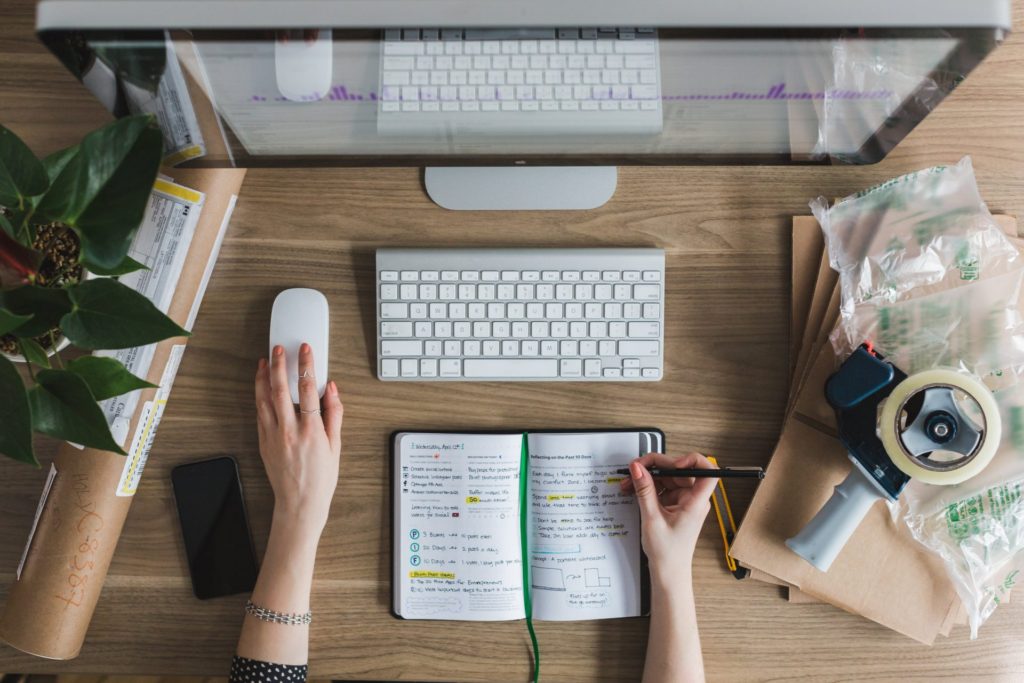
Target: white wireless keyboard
[520,314]
[530,80]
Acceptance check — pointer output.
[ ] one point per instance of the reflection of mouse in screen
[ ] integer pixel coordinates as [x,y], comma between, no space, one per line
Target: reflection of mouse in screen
[302,60]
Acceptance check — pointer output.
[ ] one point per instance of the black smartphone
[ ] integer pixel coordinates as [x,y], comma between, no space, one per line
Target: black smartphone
[221,556]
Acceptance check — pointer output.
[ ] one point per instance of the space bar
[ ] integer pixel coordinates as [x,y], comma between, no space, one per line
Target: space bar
[512,367]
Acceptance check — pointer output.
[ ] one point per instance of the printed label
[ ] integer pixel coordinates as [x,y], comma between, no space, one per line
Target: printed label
[152,412]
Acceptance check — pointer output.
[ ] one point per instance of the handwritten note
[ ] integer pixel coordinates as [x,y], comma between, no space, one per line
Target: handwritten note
[457,532]
[585,547]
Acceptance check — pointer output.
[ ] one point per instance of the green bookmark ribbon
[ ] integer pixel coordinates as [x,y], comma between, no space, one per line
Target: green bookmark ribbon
[524,539]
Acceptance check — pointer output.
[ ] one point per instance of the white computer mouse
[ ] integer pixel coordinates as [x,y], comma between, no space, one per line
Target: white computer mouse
[304,67]
[301,315]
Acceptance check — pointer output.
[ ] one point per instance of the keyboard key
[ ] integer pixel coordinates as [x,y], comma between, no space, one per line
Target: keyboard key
[652,311]
[631,372]
[592,368]
[652,276]
[401,348]
[646,292]
[571,367]
[613,372]
[491,348]
[471,347]
[394,329]
[428,367]
[394,310]
[424,329]
[451,367]
[651,373]
[606,348]
[638,348]
[511,368]
[389,367]
[588,348]
[630,362]
[510,348]
[410,368]
[388,292]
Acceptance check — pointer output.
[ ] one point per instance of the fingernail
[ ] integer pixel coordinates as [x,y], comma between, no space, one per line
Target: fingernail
[305,348]
[278,350]
[636,470]
[334,387]
[261,363]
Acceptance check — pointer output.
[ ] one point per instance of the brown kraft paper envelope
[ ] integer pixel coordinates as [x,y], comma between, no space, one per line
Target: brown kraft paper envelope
[776,514]
[49,608]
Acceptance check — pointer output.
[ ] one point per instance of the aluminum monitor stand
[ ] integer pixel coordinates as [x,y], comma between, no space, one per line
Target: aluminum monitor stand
[520,188]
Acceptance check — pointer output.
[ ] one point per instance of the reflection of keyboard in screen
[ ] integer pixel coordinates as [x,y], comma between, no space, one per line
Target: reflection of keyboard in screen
[603,80]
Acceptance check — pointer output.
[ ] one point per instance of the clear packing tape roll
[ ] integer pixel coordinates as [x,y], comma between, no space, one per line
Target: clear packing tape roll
[931,280]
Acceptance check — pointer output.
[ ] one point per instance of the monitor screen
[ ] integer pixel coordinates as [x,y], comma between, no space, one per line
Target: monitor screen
[579,95]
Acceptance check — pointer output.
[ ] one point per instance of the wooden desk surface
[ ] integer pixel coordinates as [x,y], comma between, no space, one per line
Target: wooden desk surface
[726,231]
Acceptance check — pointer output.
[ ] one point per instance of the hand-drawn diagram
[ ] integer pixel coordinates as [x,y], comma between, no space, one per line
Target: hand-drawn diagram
[593,579]
[547,578]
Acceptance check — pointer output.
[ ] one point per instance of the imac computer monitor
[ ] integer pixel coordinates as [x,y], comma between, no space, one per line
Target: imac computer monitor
[523,103]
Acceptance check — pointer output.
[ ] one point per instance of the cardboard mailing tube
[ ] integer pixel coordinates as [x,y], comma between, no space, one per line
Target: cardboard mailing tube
[49,607]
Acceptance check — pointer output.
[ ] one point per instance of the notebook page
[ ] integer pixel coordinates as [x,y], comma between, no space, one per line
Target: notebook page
[457,548]
[585,541]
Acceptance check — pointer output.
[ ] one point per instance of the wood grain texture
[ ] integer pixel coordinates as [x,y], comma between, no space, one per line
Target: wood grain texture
[726,231]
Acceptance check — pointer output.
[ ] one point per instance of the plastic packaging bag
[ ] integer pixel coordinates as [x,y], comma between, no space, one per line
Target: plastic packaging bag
[931,280]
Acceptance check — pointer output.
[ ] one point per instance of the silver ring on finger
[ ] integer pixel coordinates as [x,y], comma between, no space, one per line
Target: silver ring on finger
[305,374]
[309,412]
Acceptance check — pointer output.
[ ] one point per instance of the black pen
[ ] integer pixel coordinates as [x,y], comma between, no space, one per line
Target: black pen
[730,472]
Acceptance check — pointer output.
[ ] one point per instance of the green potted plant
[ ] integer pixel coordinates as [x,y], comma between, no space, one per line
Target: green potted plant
[66,224]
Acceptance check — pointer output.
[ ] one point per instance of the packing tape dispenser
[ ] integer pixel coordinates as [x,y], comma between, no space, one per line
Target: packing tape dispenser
[939,426]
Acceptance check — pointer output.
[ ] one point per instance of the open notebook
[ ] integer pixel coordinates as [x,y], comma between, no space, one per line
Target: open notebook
[458,549]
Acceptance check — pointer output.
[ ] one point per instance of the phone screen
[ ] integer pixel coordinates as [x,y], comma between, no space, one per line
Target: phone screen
[221,557]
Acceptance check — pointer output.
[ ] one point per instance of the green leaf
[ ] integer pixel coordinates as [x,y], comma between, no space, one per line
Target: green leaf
[109,315]
[10,321]
[102,191]
[55,163]
[33,352]
[128,265]
[15,415]
[46,306]
[6,226]
[63,407]
[106,377]
[21,174]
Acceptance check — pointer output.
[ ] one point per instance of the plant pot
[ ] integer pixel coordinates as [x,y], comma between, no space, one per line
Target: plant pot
[62,342]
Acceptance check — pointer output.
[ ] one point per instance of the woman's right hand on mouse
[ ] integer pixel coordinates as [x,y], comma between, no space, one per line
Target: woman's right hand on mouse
[301,449]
